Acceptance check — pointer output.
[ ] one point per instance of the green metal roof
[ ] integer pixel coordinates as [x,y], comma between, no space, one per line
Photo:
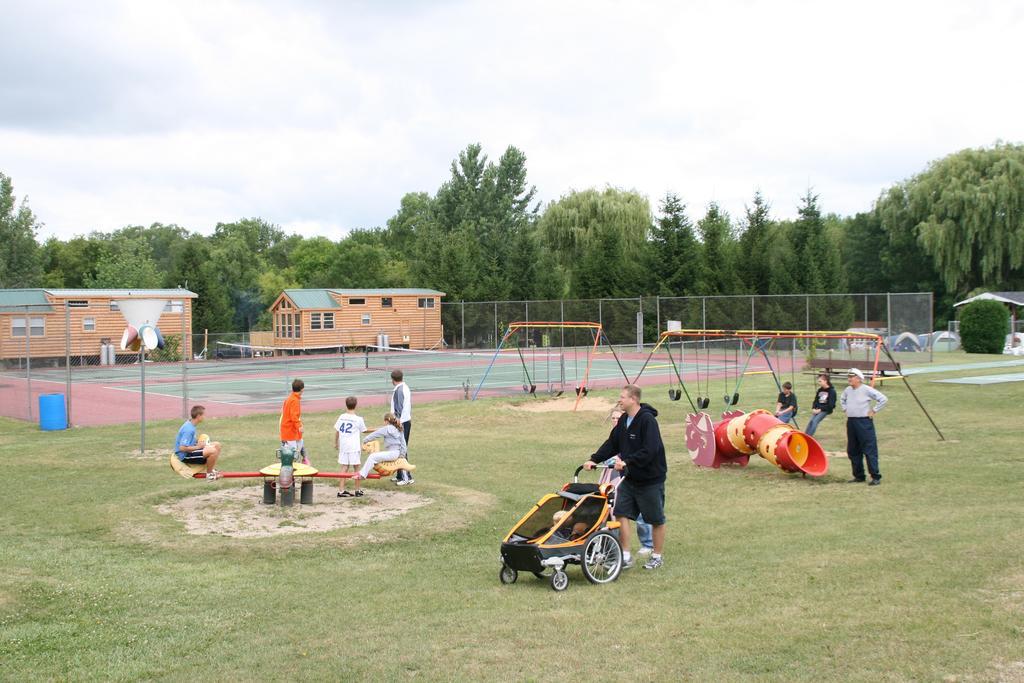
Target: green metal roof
[387,292]
[16,301]
[321,298]
[311,298]
[123,293]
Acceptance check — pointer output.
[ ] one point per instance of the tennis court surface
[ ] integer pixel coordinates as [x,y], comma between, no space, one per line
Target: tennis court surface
[112,395]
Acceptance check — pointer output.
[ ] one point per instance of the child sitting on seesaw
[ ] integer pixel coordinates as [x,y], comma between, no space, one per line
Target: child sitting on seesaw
[347,432]
[394,447]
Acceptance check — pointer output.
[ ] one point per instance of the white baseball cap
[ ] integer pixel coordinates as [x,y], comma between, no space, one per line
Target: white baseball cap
[855,371]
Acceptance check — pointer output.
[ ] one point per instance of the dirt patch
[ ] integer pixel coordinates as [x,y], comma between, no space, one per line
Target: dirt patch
[1008,593]
[240,512]
[564,404]
[149,454]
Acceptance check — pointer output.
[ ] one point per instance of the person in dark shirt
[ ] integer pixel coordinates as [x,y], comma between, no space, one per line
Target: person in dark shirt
[785,405]
[824,403]
[639,453]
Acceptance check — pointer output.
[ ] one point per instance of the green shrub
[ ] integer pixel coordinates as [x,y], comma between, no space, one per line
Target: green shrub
[984,326]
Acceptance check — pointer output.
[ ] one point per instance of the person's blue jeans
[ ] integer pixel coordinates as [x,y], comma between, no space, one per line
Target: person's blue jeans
[787,417]
[643,532]
[816,419]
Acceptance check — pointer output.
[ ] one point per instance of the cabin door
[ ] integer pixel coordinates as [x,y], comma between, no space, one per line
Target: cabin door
[406,339]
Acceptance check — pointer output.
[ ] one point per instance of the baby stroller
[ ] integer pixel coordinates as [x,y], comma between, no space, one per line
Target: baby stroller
[569,527]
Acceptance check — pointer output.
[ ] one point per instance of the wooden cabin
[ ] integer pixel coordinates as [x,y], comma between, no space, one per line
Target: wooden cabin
[41,314]
[354,318]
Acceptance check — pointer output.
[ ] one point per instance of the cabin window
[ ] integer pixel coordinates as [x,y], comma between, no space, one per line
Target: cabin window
[174,306]
[114,306]
[357,302]
[37,327]
[387,302]
[328,321]
[366,318]
[314,321]
[78,303]
[285,304]
[298,325]
[425,302]
[89,324]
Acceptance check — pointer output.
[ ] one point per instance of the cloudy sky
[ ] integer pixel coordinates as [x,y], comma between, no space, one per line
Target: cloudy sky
[320,115]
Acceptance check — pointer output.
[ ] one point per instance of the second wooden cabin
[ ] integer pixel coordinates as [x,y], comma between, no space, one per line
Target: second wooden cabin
[307,319]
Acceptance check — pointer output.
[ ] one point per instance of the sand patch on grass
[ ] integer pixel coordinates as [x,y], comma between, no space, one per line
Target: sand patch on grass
[239,512]
[564,404]
[149,454]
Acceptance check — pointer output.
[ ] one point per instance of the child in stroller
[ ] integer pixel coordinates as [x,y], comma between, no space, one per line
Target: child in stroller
[572,526]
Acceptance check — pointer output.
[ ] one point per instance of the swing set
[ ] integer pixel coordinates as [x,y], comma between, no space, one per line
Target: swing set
[582,388]
[759,342]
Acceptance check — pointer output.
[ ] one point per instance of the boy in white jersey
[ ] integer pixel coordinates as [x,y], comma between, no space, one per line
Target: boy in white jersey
[348,439]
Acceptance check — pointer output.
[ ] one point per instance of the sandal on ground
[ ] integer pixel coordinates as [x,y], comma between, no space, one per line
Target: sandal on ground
[345,494]
[359,493]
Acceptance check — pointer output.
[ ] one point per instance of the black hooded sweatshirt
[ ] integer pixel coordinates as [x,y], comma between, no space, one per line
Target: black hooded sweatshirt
[640,447]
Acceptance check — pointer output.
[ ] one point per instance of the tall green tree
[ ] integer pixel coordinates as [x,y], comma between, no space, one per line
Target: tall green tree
[128,265]
[675,252]
[20,264]
[754,265]
[582,221]
[967,213]
[193,269]
[718,274]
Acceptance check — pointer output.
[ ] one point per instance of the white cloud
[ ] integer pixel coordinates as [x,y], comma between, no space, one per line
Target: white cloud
[319,116]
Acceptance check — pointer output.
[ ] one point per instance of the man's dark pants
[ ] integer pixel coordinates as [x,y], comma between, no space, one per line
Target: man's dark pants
[861,442]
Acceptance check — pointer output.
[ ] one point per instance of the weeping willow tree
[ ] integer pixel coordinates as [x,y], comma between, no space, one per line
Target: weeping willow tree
[595,232]
[966,212]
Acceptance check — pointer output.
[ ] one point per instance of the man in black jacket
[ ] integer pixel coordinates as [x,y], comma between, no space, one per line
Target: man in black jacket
[639,453]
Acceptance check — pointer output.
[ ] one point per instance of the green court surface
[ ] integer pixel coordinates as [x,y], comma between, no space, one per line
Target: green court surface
[252,384]
[984,379]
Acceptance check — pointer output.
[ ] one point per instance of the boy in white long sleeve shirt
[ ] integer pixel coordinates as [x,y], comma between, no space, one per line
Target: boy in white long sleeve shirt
[861,440]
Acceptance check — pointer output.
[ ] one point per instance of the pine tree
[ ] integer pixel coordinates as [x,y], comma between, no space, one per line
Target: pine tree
[675,252]
[753,246]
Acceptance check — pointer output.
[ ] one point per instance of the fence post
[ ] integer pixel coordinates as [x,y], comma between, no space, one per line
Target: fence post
[463,312]
[185,339]
[640,325]
[28,360]
[657,309]
[67,360]
[142,399]
[495,324]
[561,319]
[600,312]
[888,314]
[865,311]
[703,313]
[753,319]
[807,307]
[931,325]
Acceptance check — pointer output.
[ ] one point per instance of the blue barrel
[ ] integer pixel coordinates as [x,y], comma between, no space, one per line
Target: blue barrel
[53,413]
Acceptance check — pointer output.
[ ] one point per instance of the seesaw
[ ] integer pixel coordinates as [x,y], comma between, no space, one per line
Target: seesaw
[281,475]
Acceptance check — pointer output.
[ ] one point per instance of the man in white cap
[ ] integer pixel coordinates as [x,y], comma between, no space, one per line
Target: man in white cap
[861,441]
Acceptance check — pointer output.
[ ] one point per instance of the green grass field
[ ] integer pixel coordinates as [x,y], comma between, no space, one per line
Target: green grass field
[768,576]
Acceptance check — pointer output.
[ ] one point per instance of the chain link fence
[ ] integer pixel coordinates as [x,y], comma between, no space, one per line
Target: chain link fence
[48,349]
[637,322]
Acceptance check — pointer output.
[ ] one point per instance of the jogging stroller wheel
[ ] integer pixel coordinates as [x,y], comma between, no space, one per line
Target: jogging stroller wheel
[507,575]
[559,580]
[602,558]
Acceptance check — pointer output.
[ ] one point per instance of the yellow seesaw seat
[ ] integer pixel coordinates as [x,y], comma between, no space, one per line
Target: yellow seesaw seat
[299,470]
[185,470]
[386,469]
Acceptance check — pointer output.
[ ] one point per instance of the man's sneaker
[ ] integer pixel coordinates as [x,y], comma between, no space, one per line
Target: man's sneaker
[627,562]
[345,494]
[654,563]
[405,482]
[645,551]
[394,479]
[359,493]
[874,482]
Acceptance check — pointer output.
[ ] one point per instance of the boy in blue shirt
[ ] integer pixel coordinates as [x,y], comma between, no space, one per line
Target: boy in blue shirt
[190,451]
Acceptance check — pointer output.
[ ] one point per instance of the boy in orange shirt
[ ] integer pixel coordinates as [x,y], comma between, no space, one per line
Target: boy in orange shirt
[291,421]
